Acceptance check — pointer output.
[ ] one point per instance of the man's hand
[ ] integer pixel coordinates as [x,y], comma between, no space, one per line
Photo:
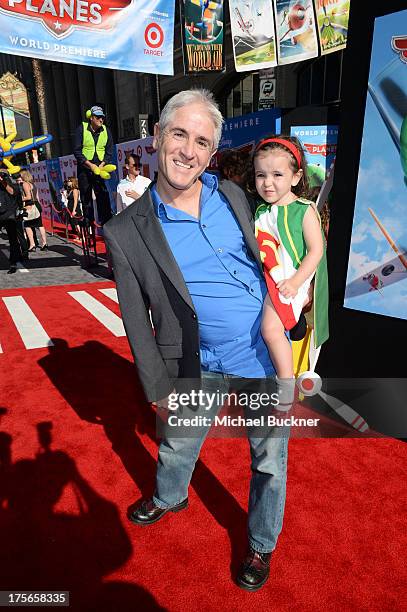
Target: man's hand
[91,166]
[132,194]
[288,288]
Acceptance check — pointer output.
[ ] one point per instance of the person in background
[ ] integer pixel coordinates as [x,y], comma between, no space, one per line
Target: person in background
[8,211]
[93,148]
[33,209]
[73,197]
[235,166]
[21,237]
[64,194]
[133,185]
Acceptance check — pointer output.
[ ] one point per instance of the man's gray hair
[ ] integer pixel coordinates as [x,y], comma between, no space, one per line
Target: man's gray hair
[193,96]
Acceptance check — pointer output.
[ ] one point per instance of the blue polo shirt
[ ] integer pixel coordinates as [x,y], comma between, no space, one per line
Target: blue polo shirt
[225,284]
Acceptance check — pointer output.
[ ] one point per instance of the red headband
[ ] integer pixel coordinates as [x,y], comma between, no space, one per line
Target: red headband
[286,143]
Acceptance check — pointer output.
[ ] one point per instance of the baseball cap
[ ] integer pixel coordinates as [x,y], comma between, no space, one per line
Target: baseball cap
[97,111]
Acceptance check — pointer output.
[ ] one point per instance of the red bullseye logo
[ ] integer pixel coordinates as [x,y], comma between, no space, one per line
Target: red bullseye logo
[309,383]
[154,35]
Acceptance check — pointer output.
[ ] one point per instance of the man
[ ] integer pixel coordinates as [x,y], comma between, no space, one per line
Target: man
[93,148]
[186,249]
[134,185]
[22,240]
[8,211]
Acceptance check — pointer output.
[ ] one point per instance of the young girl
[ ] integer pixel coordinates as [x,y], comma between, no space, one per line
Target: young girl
[292,249]
[33,209]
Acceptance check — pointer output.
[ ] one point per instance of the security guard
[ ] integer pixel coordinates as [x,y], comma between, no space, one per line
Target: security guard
[93,148]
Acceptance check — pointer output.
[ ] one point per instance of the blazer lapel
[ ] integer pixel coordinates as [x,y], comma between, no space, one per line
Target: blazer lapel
[154,238]
[238,207]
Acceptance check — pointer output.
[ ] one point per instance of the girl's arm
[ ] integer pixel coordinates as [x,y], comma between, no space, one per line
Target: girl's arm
[75,201]
[315,247]
[27,192]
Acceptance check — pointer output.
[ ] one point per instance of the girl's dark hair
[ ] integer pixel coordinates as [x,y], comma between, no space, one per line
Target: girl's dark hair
[303,188]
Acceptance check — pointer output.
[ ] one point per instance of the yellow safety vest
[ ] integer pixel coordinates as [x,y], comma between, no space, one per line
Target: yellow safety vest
[88,149]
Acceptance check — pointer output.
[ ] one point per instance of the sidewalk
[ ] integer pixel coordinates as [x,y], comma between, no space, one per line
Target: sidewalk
[60,265]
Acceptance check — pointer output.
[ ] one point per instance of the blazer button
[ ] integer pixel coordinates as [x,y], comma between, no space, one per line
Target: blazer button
[193,315]
[196,354]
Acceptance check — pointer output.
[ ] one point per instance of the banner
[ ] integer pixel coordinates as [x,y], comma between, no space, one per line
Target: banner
[132,35]
[253,34]
[55,184]
[296,30]
[377,268]
[332,18]
[202,35]
[68,164]
[40,176]
[242,133]
[319,144]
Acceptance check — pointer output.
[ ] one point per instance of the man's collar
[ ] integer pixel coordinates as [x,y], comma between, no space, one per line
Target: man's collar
[208,180]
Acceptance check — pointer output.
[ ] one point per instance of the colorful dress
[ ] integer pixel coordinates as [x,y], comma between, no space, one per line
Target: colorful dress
[282,248]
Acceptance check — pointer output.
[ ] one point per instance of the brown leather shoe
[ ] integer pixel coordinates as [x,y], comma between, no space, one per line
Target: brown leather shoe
[145,512]
[254,571]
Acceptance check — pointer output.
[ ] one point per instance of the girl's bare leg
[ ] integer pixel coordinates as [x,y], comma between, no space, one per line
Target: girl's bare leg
[277,343]
[43,236]
[30,237]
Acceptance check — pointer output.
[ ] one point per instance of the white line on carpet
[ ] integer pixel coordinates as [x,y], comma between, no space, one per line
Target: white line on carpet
[22,268]
[110,293]
[30,329]
[105,316]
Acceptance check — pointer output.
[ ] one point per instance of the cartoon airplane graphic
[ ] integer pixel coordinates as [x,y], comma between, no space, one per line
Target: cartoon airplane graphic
[9,148]
[298,20]
[386,274]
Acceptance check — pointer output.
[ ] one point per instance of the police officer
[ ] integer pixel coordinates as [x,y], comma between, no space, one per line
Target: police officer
[93,148]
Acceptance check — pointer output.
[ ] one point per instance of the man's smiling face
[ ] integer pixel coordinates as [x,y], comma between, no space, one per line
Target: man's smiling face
[185,147]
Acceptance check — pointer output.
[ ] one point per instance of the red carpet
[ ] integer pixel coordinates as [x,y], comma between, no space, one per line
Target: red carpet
[77,447]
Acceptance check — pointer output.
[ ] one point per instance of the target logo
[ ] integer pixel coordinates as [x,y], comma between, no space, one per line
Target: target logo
[154,35]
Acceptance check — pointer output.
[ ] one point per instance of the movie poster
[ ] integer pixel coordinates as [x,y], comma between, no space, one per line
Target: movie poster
[332,19]
[202,25]
[319,145]
[377,268]
[253,34]
[296,30]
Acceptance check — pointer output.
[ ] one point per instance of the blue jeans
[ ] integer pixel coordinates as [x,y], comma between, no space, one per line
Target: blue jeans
[177,458]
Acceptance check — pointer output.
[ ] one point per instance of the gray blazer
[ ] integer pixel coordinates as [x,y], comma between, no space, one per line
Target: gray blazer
[148,277]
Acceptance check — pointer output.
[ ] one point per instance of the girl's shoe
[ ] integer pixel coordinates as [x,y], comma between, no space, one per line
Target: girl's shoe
[32,249]
[44,247]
